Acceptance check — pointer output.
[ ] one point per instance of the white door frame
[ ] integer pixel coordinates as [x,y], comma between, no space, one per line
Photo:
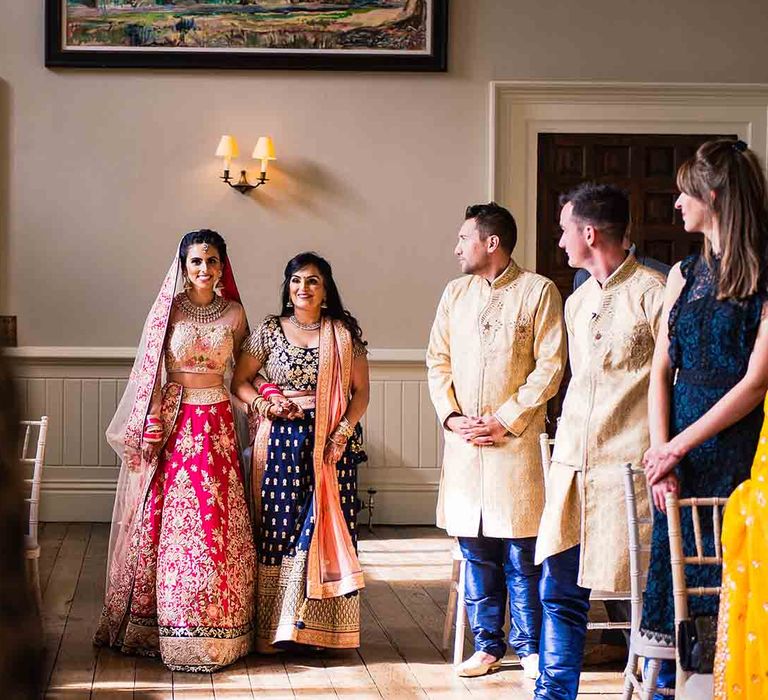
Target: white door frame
[521,110]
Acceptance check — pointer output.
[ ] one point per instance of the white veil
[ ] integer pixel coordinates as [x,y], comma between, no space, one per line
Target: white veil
[124,435]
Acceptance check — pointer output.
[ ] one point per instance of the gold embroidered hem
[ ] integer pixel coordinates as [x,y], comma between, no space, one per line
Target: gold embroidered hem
[141,637]
[205,396]
[192,649]
[285,614]
[203,654]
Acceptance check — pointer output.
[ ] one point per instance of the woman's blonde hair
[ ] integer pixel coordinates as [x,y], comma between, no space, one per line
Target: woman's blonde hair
[732,173]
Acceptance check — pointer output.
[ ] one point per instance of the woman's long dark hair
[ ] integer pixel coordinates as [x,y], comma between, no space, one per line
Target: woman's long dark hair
[334,307]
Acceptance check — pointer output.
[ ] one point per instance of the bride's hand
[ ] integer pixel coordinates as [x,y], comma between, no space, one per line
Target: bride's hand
[132,459]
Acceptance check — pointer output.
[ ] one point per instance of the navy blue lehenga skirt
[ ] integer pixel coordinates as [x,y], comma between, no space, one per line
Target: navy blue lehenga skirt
[285,526]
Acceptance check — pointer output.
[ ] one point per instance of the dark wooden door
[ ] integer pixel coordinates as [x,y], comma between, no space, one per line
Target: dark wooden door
[644,165]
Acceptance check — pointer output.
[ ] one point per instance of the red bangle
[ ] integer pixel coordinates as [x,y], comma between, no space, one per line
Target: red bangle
[271,392]
[268,388]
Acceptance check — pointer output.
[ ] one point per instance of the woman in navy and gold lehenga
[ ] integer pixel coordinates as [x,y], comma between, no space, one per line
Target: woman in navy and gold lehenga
[306,452]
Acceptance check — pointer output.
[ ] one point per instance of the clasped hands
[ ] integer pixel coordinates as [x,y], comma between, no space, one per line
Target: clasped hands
[272,403]
[482,431]
[659,463]
[283,407]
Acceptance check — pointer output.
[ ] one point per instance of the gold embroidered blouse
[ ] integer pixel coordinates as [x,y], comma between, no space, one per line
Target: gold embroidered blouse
[604,422]
[203,348]
[291,367]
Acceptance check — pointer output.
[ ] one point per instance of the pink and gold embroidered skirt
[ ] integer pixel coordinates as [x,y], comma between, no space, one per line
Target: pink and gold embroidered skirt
[192,600]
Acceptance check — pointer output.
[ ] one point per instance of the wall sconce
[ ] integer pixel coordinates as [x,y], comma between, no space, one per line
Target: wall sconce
[264,151]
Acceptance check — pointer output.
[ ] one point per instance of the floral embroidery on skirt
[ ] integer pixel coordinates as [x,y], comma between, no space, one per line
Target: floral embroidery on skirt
[284,613]
[192,600]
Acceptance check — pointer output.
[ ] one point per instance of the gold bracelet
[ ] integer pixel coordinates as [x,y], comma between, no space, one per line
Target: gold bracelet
[261,406]
[345,428]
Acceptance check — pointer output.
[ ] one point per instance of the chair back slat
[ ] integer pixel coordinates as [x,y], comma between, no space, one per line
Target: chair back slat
[702,590]
[639,552]
[25,445]
[35,482]
[703,561]
[545,447]
[697,531]
[716,527]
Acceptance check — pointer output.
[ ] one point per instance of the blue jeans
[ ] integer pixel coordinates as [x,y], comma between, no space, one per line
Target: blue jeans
[564,627]
[497,568]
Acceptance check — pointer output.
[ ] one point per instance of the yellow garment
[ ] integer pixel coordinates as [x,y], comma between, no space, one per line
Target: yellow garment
[495,349]
[741,663]
[604,424]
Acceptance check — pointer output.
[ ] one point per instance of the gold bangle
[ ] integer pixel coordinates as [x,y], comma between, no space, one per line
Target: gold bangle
[345,428]
[261,406]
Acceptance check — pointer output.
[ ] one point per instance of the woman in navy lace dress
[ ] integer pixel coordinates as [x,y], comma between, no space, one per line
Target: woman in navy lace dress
[710,367]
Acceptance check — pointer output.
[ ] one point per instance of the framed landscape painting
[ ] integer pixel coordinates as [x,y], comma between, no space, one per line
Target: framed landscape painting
[306,34]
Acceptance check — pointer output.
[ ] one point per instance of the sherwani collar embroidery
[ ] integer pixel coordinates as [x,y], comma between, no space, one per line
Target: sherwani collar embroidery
[622,273]
[511,272]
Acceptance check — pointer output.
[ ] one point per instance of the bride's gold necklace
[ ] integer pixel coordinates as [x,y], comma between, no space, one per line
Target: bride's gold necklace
[202,314]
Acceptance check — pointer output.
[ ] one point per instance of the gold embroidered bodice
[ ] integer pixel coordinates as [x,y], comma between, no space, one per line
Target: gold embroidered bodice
[203,348]
[291,367]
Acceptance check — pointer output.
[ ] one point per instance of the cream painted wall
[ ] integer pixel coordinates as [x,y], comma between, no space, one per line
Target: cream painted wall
[101,171]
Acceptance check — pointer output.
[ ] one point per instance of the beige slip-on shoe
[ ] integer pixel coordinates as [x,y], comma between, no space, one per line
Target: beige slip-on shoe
[530,666]
[476,666]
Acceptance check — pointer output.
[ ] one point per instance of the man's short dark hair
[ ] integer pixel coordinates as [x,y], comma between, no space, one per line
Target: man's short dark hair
[605,207]
[494,220]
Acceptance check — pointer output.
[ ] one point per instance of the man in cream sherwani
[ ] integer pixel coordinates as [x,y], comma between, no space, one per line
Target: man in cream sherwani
[496,355]
[612,321]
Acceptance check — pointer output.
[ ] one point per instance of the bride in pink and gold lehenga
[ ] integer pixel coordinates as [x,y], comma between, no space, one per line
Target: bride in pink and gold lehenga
[180,577]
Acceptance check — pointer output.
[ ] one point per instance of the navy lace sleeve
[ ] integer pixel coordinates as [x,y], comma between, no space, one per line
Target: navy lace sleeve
[686,267]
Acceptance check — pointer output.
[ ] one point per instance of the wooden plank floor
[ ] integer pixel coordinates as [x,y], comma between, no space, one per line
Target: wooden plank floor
[407,571]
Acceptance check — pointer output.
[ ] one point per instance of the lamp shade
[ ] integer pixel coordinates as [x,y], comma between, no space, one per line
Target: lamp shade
[227,147]
[265,149]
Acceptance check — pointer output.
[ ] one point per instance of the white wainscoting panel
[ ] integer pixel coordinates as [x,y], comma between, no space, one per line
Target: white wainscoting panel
[78,389]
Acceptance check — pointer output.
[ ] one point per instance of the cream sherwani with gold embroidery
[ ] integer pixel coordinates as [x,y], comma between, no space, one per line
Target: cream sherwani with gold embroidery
[495,348]
[604,423]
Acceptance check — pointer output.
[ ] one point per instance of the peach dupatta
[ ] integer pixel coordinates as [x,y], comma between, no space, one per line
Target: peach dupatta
[333,568]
